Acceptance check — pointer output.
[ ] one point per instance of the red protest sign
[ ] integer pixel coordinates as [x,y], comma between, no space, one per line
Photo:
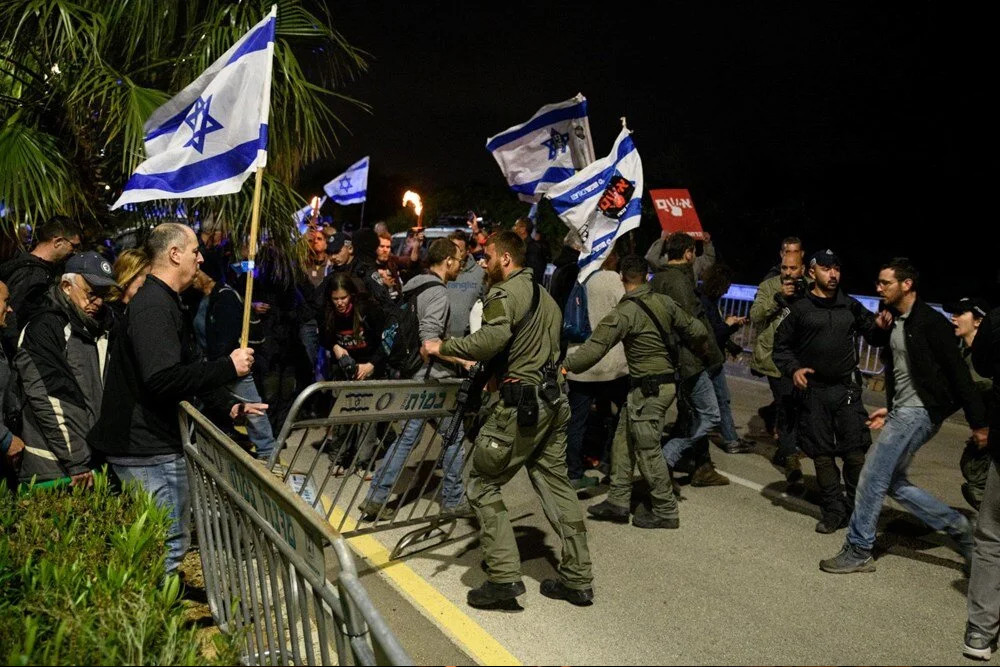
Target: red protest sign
[675,209]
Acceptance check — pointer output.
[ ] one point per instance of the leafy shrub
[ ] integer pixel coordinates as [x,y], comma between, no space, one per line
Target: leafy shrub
[82,581]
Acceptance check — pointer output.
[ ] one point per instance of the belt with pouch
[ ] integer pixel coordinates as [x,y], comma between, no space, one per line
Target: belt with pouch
[650,384]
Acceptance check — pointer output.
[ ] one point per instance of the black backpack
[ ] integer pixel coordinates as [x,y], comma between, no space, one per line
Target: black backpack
[401,335]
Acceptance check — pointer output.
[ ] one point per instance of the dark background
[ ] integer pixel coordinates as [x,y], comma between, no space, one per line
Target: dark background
[859,127]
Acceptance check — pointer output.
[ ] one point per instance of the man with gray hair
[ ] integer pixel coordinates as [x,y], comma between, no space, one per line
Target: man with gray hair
[61,362]
[155,364]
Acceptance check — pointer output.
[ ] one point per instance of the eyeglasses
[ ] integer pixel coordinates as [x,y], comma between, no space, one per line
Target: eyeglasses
[885,283]
[76,245]
[92,297]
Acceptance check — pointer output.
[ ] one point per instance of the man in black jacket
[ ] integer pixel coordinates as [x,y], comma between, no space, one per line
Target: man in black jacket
[926,381]
[155,364]
[30,275]
[816,346]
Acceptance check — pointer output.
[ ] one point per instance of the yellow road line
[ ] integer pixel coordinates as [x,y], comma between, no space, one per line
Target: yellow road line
[478,643]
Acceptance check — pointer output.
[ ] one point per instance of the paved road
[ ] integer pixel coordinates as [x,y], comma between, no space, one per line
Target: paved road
[738,583]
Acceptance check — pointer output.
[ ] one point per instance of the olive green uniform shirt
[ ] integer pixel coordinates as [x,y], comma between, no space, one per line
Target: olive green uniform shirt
[504,306]
[644,347]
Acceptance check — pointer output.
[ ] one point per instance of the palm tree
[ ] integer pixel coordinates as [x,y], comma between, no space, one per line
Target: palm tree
[78,78]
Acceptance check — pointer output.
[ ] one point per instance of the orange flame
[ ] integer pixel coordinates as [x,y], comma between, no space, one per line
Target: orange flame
[412,198]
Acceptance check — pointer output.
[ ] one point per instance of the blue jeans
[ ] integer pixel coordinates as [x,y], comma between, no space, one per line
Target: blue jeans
[168,484]
[392,465]
[727,426]
[258,426]
[705,409]
[906,430]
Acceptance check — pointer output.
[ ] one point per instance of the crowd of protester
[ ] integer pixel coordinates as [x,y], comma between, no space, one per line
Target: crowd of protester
[98,348]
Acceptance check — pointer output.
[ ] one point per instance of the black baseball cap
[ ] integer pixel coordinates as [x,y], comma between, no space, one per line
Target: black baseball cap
[826,258]
[94,268]
[335,242]
[978,307]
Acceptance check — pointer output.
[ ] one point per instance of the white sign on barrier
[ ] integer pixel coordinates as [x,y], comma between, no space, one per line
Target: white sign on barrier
[272,506]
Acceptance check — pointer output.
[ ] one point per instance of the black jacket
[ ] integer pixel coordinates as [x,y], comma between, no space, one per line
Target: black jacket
[986,361]
[720,329]
[942,378]
[28,278]
[536,258]
[61,366]
[224,322]
[822,334]
[154,365]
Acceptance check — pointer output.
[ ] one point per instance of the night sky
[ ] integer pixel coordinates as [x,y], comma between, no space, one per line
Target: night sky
[858,127]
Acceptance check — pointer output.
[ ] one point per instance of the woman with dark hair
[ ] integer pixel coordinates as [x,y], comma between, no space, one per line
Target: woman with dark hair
[351,329]
[351,333]
[715,283]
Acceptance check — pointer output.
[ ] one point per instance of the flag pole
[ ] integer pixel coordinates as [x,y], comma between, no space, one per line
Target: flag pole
[362,223]
[251,254]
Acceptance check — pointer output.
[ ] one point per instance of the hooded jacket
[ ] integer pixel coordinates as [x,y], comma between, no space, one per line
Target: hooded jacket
[463,292]
[433,313]
[61,366]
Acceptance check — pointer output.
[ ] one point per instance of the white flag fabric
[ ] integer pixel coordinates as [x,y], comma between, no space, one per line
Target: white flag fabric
[546,149]
[212,135]
[602,202]
[351,187]
[303,215]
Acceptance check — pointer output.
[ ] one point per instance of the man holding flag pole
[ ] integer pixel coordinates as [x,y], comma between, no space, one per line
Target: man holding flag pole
[204,141]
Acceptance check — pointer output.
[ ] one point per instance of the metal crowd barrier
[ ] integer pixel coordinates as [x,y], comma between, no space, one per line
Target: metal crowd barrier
[262,552]
[738,300]
[338,433]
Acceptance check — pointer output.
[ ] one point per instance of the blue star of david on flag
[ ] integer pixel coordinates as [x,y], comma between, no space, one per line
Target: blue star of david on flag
[350,187]
[229,102]
[556,143]
[201,124]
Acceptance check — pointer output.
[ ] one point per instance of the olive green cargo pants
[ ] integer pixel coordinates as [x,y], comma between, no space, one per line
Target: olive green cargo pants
[637,440]
[501,449]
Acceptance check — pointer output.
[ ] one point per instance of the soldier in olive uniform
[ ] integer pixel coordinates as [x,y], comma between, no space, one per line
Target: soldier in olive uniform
[650,354]
[521,328]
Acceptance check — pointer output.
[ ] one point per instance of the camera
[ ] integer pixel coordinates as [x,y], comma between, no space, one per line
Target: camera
[801,286]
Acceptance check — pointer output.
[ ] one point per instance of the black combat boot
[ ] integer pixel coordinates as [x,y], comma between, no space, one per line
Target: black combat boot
[494,596]
[557,590]
[605,511]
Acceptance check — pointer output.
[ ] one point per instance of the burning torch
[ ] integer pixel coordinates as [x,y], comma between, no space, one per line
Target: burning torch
[413,199]
[314,218]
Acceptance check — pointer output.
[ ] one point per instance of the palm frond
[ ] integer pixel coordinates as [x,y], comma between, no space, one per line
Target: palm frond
[79,78]
[36,179]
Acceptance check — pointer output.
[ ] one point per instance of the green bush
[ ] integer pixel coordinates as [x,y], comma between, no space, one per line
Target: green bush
[82,581]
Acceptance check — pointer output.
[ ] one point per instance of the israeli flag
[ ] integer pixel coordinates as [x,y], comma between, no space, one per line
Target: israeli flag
[602,202]
[547,149]
[351,187]
[212,135]
[303,215]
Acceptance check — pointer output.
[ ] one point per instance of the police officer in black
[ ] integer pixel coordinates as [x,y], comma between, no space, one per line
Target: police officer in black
[817,346]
